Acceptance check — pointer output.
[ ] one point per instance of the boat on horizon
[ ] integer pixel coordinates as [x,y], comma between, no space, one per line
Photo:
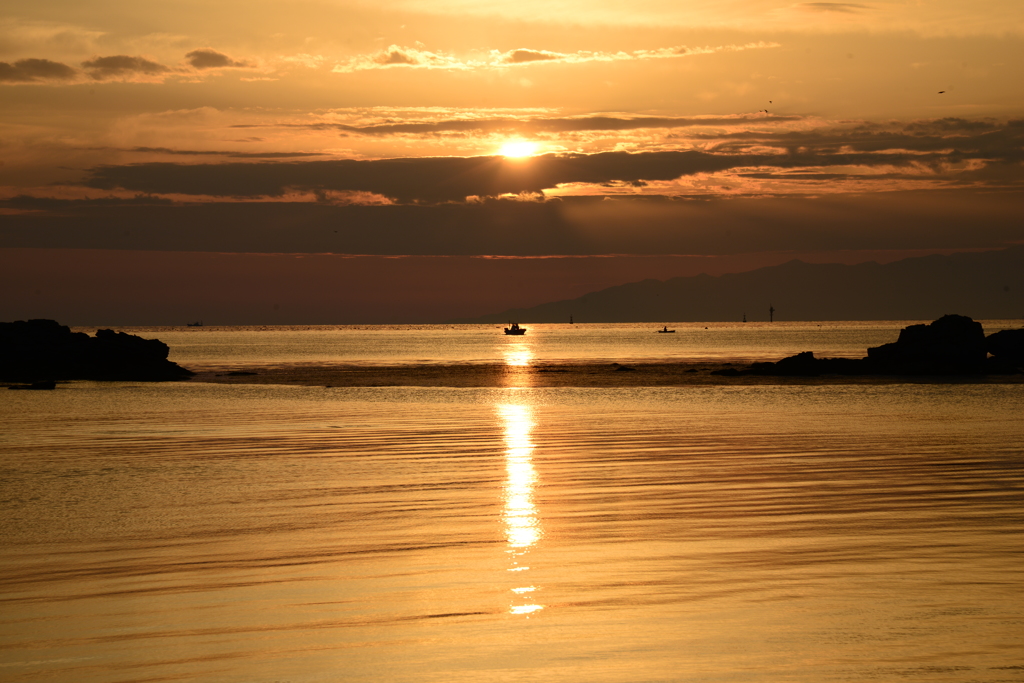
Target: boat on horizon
[195,324]
[514,328]
[665,329]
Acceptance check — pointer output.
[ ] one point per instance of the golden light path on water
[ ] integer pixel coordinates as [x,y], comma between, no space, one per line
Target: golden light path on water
[518,356]
[522,522]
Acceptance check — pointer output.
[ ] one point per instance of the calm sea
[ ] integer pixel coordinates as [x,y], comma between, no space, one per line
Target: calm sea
[203,347]
[247,533]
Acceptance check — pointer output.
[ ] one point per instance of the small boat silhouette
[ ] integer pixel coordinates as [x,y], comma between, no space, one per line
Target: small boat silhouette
[195,324]
[665,329]
[515,329]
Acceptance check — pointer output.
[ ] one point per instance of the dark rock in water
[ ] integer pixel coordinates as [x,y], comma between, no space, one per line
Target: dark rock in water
[37,350]
[952,345]
[1006,345]
[803,364]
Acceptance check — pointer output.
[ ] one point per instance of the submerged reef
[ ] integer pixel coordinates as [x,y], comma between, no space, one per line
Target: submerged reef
[951,345]
[44,350]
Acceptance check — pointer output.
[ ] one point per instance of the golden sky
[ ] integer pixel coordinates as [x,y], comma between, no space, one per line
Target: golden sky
[456,128]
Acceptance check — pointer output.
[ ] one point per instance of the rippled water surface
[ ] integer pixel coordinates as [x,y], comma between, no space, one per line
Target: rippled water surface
[759,533]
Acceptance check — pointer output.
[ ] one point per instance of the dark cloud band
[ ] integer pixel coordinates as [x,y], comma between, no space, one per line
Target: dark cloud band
[535,126]
[207,58]
[444,179]
[35,70]
[116,66]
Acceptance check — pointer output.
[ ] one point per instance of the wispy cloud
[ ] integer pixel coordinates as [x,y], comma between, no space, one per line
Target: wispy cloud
[841,7]
[523,56]
[222,153]
[532,125]
[418,57]
[396,55]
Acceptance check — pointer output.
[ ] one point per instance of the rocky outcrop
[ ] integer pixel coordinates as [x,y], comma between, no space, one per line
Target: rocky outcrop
[1007,350]
[45,350]
[804,365]
[951,345]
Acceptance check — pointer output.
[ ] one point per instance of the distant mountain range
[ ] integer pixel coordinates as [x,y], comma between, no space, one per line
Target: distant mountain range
[981,285]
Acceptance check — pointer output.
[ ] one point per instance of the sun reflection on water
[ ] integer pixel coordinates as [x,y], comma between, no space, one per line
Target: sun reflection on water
[518,354]
[522,522]
[519,357]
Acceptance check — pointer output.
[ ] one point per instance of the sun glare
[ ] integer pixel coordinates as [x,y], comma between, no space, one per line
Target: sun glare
[517,149]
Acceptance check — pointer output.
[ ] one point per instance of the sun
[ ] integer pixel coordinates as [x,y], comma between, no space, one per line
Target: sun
[517,149]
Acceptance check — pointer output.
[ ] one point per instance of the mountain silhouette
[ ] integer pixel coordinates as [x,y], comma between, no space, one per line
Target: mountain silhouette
[984,285]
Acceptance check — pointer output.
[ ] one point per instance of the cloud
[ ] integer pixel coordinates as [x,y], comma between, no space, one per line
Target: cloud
[30,203]
[522,56]
[206,58]
[453,179]
[34,71]
[537,126]
[951,137]
[114,67]
[398,56]
[841,7]
[752,160]
[230,154]
[122,67]
[432,179]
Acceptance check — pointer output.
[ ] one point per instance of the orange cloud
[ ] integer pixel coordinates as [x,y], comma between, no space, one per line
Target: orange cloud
[399,56]
[522,56]
[396,55]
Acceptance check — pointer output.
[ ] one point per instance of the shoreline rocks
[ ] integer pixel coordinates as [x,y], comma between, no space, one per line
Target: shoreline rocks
[951,345]
[38,351]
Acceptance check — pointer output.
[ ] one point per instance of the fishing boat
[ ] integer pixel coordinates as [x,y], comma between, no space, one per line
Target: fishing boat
[515,329]
[665,329]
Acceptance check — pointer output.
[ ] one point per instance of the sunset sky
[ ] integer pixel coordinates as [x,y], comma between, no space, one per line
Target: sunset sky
[342,161]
